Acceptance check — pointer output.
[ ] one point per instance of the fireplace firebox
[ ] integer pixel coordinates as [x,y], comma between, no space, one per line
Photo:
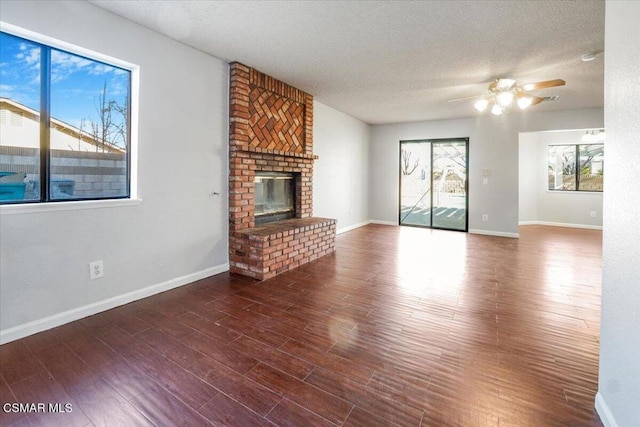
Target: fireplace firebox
[275,196]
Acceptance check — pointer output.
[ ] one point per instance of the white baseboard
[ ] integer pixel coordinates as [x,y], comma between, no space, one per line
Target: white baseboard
[494,233]
[561,224]
[352,227]
[376,221]
[30,328]
[604,412]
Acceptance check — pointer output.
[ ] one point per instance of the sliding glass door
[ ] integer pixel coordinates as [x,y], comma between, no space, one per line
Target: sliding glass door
[433,183]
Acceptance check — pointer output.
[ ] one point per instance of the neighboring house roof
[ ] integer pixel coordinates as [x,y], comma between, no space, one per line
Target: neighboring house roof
[60,126]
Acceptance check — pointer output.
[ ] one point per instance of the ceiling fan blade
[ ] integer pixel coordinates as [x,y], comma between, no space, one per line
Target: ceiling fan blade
[543,85]
[526,100]
[535,100]
[466,97]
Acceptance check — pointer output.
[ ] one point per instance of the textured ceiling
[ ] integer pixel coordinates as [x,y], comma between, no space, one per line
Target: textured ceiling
[392,61]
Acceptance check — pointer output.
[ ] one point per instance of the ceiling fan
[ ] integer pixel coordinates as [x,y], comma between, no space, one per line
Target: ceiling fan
[502,93]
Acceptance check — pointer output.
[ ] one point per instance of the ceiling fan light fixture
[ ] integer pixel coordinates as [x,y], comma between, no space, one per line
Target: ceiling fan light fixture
[504,98]
[503,94]
[481,104]
[524,102]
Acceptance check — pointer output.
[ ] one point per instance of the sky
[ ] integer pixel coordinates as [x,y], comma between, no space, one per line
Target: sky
[76,82]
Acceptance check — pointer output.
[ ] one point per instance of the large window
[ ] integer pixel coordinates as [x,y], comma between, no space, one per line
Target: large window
[576,167]
[64,125]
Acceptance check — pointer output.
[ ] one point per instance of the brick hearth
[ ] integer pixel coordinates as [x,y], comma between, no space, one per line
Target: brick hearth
[271,129]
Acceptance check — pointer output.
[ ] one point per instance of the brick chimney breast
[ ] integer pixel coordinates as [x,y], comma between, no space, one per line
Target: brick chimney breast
[271,130]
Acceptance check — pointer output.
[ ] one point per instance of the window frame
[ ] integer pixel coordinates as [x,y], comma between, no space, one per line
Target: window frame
[45,204]
[577,167]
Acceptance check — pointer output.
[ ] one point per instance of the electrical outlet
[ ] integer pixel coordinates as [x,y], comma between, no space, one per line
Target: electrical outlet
[485,217]
[593,214]
[96,270]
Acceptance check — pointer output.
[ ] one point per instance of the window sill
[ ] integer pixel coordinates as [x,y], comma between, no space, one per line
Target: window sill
[574,192]
[66,206]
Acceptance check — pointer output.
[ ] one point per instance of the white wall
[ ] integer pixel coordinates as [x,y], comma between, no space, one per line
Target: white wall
[538,204]
[493,144]
[340,182]
[618,399]
[178,233]
[528,182]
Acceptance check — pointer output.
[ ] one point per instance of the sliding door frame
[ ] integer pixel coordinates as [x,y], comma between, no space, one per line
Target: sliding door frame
[431,142]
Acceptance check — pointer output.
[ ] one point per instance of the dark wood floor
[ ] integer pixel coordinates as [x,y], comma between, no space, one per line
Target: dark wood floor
[401,326]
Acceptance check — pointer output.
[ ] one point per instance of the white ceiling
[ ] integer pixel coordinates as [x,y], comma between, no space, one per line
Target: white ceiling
[395,61]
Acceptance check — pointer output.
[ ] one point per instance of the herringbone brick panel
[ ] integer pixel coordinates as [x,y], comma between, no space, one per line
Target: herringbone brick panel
[275,122]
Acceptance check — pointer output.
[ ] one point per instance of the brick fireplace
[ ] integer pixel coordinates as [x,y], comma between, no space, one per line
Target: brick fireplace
[271,130]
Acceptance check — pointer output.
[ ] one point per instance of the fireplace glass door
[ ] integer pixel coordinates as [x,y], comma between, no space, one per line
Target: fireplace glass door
[433,183]
[274,196]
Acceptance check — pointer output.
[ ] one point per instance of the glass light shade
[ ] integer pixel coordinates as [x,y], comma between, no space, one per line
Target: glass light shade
[503,99]
[496,109]
[524,102]
[481,104]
